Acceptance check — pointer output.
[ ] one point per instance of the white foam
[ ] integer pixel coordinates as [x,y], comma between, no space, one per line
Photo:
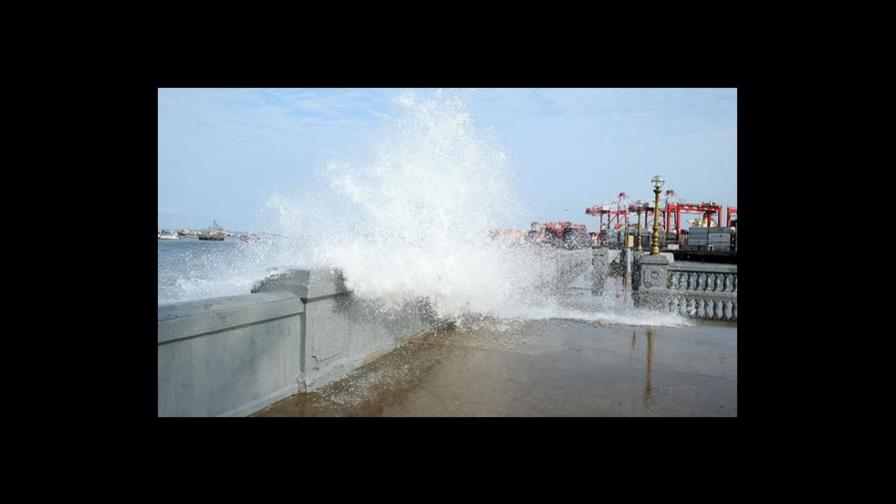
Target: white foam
[413,221]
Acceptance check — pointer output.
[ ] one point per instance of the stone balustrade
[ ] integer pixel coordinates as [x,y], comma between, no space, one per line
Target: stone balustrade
[691,289]
[707,291]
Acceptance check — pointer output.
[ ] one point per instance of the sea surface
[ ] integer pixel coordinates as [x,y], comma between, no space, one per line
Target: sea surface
[191,269]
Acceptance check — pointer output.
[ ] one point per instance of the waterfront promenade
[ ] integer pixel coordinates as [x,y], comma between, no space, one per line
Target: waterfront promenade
[541,368]
[301,344]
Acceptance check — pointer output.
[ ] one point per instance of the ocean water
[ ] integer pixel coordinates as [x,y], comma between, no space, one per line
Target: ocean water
[191,269]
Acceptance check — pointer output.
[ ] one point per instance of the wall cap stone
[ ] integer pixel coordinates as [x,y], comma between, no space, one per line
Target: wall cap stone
[189,319]
[660,260]
[701,267]
[307,284]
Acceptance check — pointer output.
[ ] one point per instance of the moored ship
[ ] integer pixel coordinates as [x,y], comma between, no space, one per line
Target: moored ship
[214,233]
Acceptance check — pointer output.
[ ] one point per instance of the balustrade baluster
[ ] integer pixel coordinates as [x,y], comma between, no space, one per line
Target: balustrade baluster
[680,282]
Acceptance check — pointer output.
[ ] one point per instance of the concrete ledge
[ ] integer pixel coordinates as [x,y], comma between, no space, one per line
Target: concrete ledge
[308,285]
[189,319]
[719,295]
[703,267]
[663,258]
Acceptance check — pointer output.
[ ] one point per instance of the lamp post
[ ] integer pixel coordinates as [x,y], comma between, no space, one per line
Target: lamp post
[625,230]
[638,205]
[657,183]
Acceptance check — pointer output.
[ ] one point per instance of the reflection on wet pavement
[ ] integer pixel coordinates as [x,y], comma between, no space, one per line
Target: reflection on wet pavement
[648,385]
[548,367]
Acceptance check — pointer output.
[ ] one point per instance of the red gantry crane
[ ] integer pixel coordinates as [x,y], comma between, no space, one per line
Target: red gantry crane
[619,208]
[706,210]
[617,215]
[731,211]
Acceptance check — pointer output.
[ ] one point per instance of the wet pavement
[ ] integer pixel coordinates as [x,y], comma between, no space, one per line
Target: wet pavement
[552,367]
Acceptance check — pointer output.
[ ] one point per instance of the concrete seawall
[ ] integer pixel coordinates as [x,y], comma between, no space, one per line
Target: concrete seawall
[341,331]
[297,331]
[566,265]
[228,356]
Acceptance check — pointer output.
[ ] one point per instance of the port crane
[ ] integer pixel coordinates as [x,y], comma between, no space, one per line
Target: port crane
[616,211]
[706,210]
[731,211]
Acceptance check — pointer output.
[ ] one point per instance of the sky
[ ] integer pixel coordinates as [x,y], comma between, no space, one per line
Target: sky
[223,153]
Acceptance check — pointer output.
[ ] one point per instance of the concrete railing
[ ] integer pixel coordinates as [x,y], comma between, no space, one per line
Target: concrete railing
[342,331]
[700,290]
[558,268]
[229,356]
[297,331]
[602,262]
[570,264]
[703,290]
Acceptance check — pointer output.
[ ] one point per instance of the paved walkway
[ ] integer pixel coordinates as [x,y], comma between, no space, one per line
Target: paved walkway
[541,368]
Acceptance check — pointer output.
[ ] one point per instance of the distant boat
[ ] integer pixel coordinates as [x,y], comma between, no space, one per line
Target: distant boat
[165,235]
[214,233]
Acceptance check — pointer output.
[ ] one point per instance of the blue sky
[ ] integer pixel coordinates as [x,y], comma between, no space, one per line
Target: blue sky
[224,152]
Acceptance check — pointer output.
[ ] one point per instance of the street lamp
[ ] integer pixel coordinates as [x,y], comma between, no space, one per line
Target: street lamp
[638,206]
[657,183]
